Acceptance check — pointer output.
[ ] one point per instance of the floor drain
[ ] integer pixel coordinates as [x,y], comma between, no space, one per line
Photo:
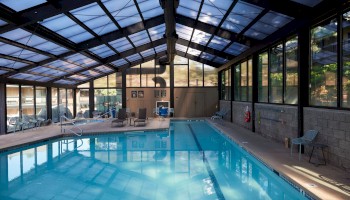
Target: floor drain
[311,185]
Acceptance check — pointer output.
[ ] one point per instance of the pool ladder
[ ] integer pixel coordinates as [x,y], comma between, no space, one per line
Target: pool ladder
[66,121]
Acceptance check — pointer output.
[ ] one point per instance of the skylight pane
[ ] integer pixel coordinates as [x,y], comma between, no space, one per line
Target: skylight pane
[19,5]
[147,53]
[119,62]
[3,72]
[236,48]
[2,23]
[189,8]
[220,60]
[157,32]
[11,64]
[140,38]
[194,52]
[310,3]
[255,34]
[275,19]
[90,73]
[180,47]
[78,77]
[102,51]
[207,56]
[134,57]
[150,8]
[184,32]
[44,79]
[160,48]
[66,82]
[66,27]
[20,53]
[121,44]
[79,59]
[213,11]
[63,65]
[218,43]
[241,15]
[29,39]
[95,18]
[200,37]
[103,69]
[124,11]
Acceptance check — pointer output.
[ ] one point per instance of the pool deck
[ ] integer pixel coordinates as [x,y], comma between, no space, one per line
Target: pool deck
[321,182]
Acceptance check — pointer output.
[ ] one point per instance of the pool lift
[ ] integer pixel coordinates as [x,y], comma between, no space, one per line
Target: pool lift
[64,121]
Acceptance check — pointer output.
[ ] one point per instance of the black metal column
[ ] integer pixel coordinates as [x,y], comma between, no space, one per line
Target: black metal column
[3,109]
[49,103]
[91,98]
[255,87]
[74,103]
[124,88]
[172,84]
[303,71]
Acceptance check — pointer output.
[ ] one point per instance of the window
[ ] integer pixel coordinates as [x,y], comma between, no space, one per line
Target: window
[323,71]
[243,81]
[291,84]
[83,102]
[133,76]
[12,106]
[276,74]
[147,74]
[210,76]
[237,82]
[162,76]
[196,74]
[181,75]
[101,82]
[27,102]
[226,84]
[40,102]
[263,77]
[346,61]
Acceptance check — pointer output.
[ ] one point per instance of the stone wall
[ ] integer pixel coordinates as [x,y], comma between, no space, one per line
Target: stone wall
[334,131]
[276,122]
[238,110]
[226,105]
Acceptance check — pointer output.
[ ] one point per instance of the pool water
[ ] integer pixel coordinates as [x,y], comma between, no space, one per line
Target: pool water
[190,161]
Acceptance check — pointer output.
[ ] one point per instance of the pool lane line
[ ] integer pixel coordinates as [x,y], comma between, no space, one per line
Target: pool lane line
[217,188]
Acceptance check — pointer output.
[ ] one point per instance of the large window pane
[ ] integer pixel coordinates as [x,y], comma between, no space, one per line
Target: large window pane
[180,60]
[250,79]
[291,90]
[226,85]
[70,101]
[54,103]
[12,106]
[119,79]
[101,100]
[62,105]
[323,72]
[346,61]
[181,75]
[210,76]
[101,82]
[27,101]
[40,95]
[84,85]
[133,76]
[237,82]
[147,74]
[196,74]
[112,80]
[162,76]
[244,81]
[83,102]
[263,77]
[276,74]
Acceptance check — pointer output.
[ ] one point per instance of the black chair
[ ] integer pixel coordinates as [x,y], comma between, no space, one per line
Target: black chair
[142,116]
[121,117]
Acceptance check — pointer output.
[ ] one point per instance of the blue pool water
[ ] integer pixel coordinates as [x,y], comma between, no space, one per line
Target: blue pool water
[190,161]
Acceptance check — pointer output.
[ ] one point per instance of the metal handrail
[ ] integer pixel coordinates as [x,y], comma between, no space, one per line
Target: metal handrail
[71,129]
[100,116]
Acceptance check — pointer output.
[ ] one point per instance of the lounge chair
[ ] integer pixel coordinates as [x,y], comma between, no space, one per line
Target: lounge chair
[219,114]
[307,138]
[121,117]
[142,116]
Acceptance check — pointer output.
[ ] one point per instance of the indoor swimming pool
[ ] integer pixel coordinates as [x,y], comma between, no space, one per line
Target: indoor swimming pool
[191,160]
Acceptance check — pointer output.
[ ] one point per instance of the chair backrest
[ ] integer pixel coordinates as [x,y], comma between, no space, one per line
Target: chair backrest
[163,111]
[122,113]
[310,135]
[142,113]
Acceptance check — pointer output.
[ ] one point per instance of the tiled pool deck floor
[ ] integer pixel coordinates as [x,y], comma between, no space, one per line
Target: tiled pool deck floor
[322,182]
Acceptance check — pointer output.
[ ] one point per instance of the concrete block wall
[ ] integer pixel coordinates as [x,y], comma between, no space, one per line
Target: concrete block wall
[238,110]
[334,131]
[276,122]
[227,106]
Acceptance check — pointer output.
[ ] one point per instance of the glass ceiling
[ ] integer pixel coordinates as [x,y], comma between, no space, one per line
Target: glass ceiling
[91,40]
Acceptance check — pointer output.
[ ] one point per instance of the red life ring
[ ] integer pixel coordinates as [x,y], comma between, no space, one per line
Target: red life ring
[247,116]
